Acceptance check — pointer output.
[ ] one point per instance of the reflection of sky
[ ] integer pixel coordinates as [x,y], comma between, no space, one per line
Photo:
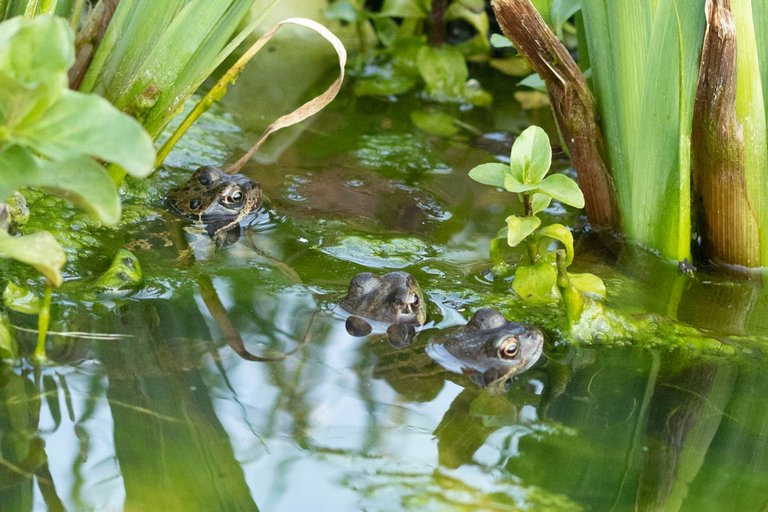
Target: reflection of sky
[282,475]
[101,487]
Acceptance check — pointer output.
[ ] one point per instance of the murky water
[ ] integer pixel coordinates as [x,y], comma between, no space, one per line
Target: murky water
[163,414]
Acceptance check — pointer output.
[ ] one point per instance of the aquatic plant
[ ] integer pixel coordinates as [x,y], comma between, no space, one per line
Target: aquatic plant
[669,134]
[541,275]
[412,50]
[48,138]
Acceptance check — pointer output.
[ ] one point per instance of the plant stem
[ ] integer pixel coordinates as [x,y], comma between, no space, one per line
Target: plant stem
[437,31]
[728,223]
[43,321]
[573,300]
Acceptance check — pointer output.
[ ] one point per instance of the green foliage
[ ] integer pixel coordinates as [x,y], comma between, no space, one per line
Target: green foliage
[543,271]
[49,135]
[405,58]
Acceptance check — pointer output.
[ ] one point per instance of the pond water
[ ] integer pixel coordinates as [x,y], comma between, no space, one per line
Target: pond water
[150,407]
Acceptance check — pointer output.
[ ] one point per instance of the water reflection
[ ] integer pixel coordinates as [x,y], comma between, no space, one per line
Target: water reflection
[356,423]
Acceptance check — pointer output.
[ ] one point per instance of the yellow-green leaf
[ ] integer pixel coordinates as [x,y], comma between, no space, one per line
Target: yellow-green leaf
[564,189]
[519,228]
[40,250]
[563,235]
[531,155]
[535,283]
[490,174]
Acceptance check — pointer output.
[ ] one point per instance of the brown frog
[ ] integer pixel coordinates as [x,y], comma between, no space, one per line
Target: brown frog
[393,298]
[215,198]
[489,348]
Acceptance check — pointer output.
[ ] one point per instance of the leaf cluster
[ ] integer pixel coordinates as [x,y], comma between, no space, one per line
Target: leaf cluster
[540,276]
[407,60]
[51,137]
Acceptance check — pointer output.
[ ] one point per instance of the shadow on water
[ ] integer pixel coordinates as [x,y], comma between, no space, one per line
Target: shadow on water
[166,415]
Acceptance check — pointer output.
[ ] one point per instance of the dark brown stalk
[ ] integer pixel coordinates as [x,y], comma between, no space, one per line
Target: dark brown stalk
[437,32]
[572,103]
[726,220]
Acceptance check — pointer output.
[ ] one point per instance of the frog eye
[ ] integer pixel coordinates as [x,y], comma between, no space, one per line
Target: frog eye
[195,203]
[509,348]
[236,196]
[415,301]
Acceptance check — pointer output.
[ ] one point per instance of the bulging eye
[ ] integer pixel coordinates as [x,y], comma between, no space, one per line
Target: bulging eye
[236,196]
[415,301]
[509,349]
[195,203]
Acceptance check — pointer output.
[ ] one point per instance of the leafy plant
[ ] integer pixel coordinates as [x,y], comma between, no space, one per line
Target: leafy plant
[412,50]
[676,116]
[49,138]
[542,273]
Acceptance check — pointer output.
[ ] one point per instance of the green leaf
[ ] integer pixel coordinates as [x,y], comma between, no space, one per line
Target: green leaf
[519,228]
[534,81]
[343,11]
[540,202]
[383,86]
[404,9]
[434,122]
[535,283]
[564,189]
[86,124]
[444,72]
[561,11]
[40,250]
[34,57]
[499,41]
[588,283]
[563,235]
[531,155]
[21,299]
[80,180]
[490,174]
[513,184]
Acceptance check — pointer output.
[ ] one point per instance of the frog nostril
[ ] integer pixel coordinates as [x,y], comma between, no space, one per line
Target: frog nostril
[195,203]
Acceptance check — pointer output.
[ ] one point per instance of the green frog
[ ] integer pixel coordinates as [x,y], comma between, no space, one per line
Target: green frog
[216,199]
[393,298]
[489,348]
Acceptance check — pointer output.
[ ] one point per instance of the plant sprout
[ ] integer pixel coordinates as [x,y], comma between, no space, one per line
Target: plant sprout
[541,276]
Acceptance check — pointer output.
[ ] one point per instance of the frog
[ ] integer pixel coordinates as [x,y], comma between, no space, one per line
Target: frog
[394,298]
[14,213]
[489,348]
[217,200]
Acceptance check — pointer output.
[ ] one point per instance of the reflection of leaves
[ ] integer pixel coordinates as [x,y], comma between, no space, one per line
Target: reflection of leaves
[434,122]
[8,347]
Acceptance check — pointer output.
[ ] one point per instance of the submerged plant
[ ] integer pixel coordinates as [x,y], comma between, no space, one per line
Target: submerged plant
[541,275]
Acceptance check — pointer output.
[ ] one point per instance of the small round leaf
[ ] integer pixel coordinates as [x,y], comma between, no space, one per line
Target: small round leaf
[490,174]
[531,155]
[564,189]
[519,228]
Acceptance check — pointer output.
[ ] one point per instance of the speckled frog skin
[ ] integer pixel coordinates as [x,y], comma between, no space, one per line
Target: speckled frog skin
[488,347]
[213,196]
[393,298]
